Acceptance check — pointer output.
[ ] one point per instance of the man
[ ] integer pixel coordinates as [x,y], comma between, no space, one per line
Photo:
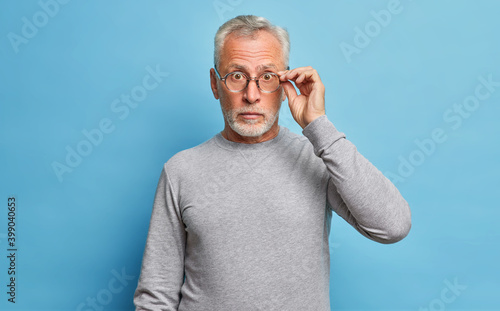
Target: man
[241,222]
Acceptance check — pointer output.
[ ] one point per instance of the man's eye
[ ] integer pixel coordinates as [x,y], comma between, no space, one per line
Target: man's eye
[266,77]
[237,76]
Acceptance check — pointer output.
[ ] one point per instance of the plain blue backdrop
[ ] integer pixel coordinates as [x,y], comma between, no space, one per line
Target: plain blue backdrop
[413,84]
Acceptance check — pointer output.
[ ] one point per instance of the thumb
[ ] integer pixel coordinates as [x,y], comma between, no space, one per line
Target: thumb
[290,91]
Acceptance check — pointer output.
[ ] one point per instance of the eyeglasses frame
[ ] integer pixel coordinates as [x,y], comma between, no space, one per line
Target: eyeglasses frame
[256,79]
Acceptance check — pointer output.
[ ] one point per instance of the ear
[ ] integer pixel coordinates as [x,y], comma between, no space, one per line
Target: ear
[213,83]
[283,94]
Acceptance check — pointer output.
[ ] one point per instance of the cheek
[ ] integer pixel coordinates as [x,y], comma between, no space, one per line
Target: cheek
[275,101]
[230,99]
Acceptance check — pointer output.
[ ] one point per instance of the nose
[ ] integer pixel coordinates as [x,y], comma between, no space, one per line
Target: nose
[252,93]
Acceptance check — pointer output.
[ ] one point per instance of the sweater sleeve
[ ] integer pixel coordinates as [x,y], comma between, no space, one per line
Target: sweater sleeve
[162,272]
[357,190]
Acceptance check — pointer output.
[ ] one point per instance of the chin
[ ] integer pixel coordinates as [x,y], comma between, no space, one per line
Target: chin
[250,130]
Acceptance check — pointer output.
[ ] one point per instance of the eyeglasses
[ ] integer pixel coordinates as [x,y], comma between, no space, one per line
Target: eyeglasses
[237,81]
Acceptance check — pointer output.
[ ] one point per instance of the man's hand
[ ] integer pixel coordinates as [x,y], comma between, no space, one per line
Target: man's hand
[310,104]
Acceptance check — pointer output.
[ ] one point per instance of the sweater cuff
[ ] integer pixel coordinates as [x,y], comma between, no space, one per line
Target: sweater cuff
[322,134]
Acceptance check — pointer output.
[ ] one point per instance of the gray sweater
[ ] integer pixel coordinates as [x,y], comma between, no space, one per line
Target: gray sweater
[241,227]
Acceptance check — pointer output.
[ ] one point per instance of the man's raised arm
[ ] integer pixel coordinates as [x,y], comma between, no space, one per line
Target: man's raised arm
[357,190]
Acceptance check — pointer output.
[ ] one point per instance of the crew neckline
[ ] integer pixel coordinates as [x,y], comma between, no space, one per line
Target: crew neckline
[232,145]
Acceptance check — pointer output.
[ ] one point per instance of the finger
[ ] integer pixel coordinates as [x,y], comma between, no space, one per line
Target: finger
[290,91]
[302,76]
[283,74]
[290,74]
[287,74]
[294,72]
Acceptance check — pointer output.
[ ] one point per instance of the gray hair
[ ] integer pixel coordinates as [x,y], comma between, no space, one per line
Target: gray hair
[247,26]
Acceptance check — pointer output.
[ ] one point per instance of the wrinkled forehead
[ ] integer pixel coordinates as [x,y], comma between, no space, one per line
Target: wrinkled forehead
[260,49]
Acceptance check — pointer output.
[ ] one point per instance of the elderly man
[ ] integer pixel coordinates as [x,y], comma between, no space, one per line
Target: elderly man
[241,222]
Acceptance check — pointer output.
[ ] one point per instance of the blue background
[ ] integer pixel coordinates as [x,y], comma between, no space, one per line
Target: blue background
[74,235]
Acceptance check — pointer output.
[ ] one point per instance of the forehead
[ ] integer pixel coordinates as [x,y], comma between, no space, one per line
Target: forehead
[261,49]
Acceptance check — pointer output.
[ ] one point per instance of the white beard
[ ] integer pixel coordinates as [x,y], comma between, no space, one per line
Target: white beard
[253,127]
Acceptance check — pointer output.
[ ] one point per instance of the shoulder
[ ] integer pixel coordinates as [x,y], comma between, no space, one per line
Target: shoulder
[294,137]
[183,161]
[295,142]
[298,149]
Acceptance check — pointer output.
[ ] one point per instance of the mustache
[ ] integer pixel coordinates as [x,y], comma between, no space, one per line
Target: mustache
[249,109]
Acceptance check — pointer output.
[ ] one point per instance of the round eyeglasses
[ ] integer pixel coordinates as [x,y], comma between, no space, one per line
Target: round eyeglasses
[237,81]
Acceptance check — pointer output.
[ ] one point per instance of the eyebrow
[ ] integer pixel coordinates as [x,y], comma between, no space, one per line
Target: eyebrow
[259,68]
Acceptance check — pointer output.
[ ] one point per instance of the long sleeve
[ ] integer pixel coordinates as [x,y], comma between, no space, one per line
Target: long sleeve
[162,272]
[357,190]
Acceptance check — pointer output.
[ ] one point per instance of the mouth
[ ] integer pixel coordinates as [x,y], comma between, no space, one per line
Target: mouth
[250,115]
